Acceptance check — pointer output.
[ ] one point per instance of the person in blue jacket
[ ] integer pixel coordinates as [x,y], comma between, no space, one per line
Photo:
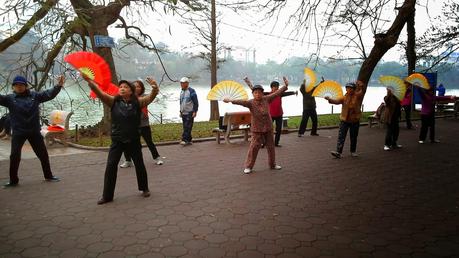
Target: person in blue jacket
[23,105]
[188,109]
[441,90]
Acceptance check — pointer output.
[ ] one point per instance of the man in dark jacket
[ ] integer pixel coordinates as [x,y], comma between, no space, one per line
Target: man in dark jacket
[309,110]
[23,106]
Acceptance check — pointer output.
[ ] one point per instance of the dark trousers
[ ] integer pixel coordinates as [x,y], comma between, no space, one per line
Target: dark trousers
[407,109]
[133,148]
[278,121]
[187,127]
[392,132]
[38,146]
[304,121]
[145,132]
[427,121]
[354,132]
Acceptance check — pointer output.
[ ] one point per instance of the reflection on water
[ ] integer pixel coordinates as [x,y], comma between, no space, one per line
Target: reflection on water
[166,105]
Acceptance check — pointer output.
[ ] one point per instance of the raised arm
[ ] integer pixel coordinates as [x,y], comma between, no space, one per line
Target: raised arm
[282,89]
[50,94]
[245,103]
[144,101]
[104,97]
[335,101]
[248,82]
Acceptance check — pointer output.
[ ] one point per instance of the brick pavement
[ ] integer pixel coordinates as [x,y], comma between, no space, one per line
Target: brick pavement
[403,203]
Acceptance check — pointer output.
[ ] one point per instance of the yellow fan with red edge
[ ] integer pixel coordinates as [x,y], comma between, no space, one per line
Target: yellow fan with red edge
[395,84]
[309,79]
[93,66]
[227,89]
[329,89]
[419,80]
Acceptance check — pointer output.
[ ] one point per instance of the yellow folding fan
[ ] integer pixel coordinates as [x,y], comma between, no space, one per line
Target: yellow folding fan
[330,89]
[227,89]
[419,80]
[309,79]
[395,84]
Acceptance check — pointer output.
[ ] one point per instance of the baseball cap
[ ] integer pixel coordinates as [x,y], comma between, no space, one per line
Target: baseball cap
[257,87]
[351,85]
[184,79]
[20,80]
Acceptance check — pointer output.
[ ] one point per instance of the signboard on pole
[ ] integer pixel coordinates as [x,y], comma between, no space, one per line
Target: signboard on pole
[104,41]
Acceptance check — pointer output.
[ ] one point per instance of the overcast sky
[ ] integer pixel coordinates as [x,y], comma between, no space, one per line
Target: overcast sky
[271,43]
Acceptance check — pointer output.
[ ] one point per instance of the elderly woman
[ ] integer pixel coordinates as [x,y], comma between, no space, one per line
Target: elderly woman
[126,113]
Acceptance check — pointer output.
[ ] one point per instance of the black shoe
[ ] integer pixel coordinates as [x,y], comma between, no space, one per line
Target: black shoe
[314,134]
[146,194]
[102,201]
[9,185]
[336,154]
[52,179]
[278,145]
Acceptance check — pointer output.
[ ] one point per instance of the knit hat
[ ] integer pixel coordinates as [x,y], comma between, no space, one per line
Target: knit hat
[351,85]
[20,80]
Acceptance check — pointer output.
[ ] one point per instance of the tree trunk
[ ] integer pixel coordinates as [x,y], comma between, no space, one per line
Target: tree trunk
[411,44]
[214,112]
[385,41]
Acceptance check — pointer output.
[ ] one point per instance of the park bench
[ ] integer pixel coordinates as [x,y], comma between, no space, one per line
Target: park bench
[233,121]
[377,117]
[448,106]
[58,127]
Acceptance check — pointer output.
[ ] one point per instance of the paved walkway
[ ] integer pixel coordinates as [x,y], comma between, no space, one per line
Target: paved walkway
[403,203]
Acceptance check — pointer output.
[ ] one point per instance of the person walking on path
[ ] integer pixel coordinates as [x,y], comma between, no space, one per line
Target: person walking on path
[350,117]
[125,112]
[145,130]
[275,107]
[23,105]
[309,110]
[391,117]
[188,109]
[261,125]
[406,104]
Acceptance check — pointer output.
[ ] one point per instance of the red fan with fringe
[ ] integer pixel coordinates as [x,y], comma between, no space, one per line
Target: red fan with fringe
[95,67]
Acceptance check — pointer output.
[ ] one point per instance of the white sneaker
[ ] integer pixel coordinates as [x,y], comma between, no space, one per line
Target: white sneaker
[398,146]
[354,154]
[421,142]
[158,161]
[126,164]
[182,143]
[277,167]
[386,148]
[247,170]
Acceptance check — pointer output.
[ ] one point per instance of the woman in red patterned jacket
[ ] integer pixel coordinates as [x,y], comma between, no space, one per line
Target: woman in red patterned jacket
[261,125]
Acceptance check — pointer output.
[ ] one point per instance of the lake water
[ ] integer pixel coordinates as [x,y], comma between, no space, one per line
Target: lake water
[88,112]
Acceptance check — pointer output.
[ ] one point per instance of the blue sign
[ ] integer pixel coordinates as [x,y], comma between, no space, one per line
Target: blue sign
[103,41]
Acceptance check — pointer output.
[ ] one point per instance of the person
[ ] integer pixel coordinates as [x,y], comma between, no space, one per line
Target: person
[441,90]
[261,125]
[391,117]
[125,112]
[188,109]
[145,130]
[275,108]
[309,110]
[406,105]
[23,105]
[350,117]
[5,127]
[427,115]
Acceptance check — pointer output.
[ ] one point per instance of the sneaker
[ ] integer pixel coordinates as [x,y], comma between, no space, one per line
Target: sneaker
[52,179]
[126,164]
[435,141]
[247,170]
[354,154]
[158,161]
[277,167]
[182,143]
[421,142]
[10,185]
[187,143]
[300,135]
[278,145]
[314,134]
[146,194]
[397,146]
[103,201]
[336,154]
[387,148]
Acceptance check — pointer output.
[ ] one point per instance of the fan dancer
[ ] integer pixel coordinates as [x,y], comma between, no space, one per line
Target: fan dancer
[350,117]
[275,107]
[24,109]
[261,125]
[391,117]
[145,130]
[125,112]
[406,104]
[309,110]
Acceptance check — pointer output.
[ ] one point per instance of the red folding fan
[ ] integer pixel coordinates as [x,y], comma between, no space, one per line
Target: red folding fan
[93,66]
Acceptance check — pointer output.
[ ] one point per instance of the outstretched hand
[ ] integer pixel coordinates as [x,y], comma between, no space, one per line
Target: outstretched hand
[285,81]
[61,80]
[152,82]
[226,100]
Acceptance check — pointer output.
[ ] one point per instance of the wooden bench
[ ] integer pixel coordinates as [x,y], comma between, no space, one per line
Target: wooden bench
[59,127]
[233,121]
